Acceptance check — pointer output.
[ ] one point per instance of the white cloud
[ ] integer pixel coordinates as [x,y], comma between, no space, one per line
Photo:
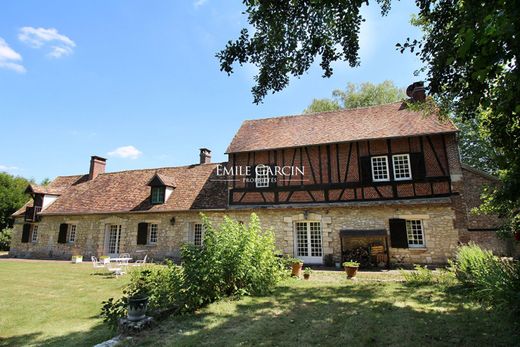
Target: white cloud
[10,59]
[8,168]
[60,45]
[129,152]
[199,3]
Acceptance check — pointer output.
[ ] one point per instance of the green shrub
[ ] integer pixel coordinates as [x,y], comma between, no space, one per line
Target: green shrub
[5,239]
[419,276]
[488,277]
[235,259]
[163,285]
[351,264]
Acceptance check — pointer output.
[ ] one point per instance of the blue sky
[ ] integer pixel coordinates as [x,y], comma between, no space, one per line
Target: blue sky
[88,78]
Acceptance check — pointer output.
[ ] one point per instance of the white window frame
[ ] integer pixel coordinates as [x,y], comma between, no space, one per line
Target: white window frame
[309,244]
[160,195]
[262,176]
[411,231]
[34,231]
[196,230]
[153,228]
[374,179]
[409,176]
[72,232]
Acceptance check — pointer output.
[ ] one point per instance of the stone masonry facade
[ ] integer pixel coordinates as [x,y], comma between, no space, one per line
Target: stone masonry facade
[440,235]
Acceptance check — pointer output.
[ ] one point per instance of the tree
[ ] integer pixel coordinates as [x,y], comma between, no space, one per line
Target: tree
[354,96]
[470,53]
[12,197]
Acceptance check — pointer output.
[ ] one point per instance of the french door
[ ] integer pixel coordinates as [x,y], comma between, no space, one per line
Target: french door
[113,240]
[308,246]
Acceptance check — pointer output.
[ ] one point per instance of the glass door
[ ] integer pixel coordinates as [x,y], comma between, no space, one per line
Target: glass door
[308,242]
[113,240]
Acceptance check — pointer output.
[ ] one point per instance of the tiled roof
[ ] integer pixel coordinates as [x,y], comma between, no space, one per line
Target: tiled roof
[128,191]
[384,121]
[166,180]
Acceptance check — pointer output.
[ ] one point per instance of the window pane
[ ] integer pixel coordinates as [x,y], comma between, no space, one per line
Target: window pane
[72,233]
[380,169]
[302,247]
[316,250]
[35,233]
[402,167]
[153,233]
[415,233]
[262,176]
[198,234]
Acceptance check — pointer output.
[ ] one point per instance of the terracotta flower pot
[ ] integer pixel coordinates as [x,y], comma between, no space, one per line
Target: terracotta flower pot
[306,276]
[296,269]
[351,271]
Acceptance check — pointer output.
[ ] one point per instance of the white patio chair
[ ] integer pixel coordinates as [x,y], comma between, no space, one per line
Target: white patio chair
[141,262]
[115,268]
[97,264]
[125,258]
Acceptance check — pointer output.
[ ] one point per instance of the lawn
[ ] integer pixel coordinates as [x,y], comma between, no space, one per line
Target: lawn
[56,304]
[53,303]
[328,310]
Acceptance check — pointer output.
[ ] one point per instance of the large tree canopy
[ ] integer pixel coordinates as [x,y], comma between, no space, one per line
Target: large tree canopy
[362,95]
[12,196]
[470,52]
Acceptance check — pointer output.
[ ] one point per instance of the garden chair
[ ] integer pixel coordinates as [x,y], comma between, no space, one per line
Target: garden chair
[125,259]
[115,268]
[141,262]
[97,264]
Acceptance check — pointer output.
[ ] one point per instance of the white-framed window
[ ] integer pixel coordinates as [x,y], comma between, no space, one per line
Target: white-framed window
[198,234]
[415,233]
[34,233]
[380,169]
[262,176]
[402,169]
[158,195]
[152,233]
[72,233]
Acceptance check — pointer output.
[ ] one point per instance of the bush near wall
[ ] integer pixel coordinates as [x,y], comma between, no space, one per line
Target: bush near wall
[236,259]
[5,239]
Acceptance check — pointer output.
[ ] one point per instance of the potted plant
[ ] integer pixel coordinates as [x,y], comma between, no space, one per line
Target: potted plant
[307,273]
[76,259]
[104,259]
[137,302]
[296,267]
[351,268]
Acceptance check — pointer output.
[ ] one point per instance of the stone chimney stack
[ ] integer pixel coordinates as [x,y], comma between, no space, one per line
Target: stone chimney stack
[205,156]
[97,166]
[416,91]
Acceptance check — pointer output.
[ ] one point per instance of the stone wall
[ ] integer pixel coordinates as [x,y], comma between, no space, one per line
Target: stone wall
[440,235]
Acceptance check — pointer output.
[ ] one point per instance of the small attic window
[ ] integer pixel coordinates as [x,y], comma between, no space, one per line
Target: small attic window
[158,195]
[162,186]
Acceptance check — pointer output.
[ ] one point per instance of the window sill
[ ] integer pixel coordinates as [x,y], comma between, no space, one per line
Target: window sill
[151,245]
[418,249]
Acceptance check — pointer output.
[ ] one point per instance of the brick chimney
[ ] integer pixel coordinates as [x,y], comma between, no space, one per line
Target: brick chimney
[416,91]
[205,156]
[97,166]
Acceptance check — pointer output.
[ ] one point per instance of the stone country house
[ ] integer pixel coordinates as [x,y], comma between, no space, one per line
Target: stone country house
[384,178]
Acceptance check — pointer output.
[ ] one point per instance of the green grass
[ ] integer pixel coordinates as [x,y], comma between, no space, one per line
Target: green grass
[328,310]
[53,303]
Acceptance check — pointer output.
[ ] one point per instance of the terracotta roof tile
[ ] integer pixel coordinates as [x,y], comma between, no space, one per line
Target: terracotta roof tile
[384,121]
[128,191]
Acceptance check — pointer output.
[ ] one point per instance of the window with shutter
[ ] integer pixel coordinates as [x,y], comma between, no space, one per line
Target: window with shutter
[251,179]
[25,232]
[398,233]
[366,170]
[142,233]
[380,169]
[418,167]
[62,235]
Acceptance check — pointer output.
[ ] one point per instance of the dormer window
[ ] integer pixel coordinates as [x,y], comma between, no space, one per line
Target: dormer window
[161,188]
[158,195]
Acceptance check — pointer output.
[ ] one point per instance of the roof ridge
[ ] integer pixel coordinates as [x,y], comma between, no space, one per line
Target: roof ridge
[160,168]
[322,112]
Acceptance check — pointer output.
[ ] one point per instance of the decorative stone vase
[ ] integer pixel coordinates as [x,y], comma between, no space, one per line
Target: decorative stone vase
[137,308]
[351,271]
[296,269]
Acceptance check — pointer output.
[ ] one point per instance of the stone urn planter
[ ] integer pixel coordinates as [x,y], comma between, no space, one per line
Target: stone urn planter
[137,306]
[296,267]
[307,273]
[351,268]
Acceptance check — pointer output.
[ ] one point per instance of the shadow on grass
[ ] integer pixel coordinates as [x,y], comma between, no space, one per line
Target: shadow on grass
[91,337]
[351,314]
